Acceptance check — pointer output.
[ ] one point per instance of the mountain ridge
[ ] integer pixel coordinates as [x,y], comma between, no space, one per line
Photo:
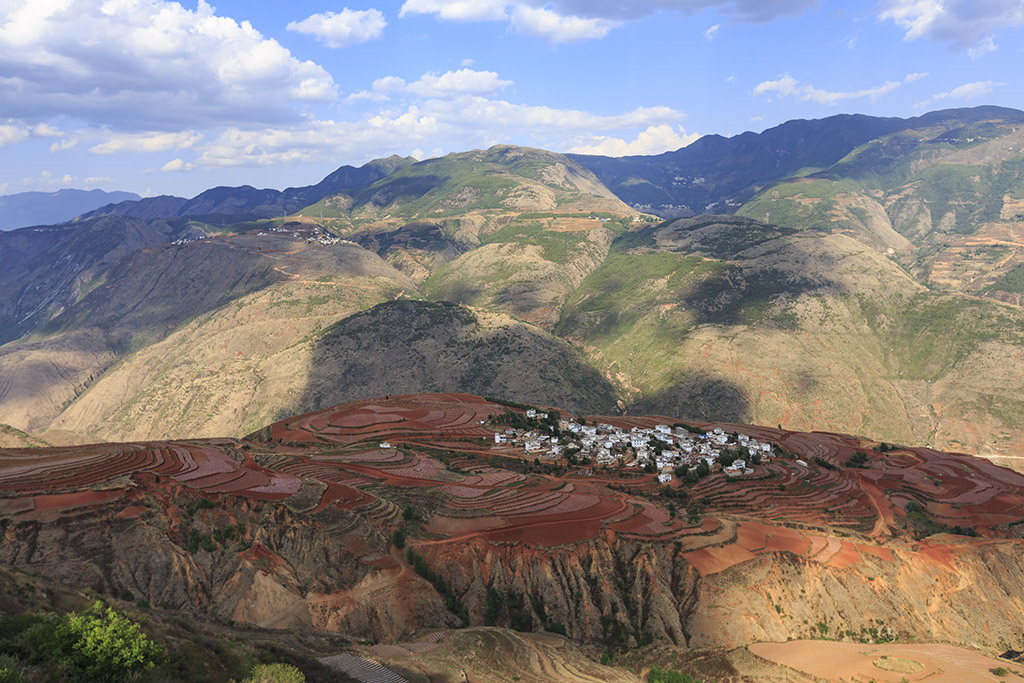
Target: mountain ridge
[681,182]
[26,209]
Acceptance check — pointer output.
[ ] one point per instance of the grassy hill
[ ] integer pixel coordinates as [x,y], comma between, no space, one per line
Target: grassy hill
[470,193]
[946,200]
[718,175]
[728,317]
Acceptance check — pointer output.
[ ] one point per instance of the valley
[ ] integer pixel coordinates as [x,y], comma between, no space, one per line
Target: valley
[882,288]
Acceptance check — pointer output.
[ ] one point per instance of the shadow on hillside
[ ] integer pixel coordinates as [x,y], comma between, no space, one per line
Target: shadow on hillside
[699,396]
[404,347]
[399,190]
[756,291]
[418,235]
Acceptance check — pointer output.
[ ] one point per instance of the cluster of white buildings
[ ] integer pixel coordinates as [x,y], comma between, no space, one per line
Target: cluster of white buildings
[188,240]
[665,447]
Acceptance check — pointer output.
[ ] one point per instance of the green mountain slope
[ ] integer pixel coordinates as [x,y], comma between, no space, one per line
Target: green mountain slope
[718,175]
[470,192]
[947,200]
[728,317]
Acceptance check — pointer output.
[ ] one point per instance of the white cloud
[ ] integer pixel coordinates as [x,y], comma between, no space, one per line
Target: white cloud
[173,165]
[45,130]
[712,32]
[468,61]
[454,83]
[968,91]
[754,119]
[983,47]
[962,24]
[547,24]
[147,142]
[448,124]
[448,84]
[910,78]
[10,134]
[64,144]
[344,28]
[44,182]
[458,10]
[148,65]
[654,140]
[787,86]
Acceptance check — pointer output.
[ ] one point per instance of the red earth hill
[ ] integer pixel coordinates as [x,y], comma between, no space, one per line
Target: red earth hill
[295,527]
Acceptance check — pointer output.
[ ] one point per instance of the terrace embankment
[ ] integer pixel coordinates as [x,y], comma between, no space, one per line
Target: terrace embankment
[303,527]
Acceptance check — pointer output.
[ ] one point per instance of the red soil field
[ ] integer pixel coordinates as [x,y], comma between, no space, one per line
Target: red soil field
[832,514]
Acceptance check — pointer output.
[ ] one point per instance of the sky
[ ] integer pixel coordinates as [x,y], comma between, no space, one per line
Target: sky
[162,97]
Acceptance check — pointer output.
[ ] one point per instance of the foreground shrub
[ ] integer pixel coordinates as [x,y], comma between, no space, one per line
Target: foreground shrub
[100,644]
[275,673]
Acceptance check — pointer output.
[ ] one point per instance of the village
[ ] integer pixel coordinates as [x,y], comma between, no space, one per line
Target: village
[670,451]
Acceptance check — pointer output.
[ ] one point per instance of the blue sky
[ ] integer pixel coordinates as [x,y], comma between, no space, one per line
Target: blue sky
[161,97]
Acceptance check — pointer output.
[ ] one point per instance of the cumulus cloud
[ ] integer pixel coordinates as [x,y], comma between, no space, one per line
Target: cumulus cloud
[712,32]
[654,140]
[458,10]
[147,142]
[573,20]
[448,84]
[983,47]
[967,91]
[964,25]
[10,134]
[344,28]
[461,82]
[787,86]
[448,124]
[174,165]
[46,181]
[553,27]
[148,65]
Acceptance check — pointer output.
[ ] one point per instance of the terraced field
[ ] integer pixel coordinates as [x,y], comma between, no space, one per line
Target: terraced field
[806,500]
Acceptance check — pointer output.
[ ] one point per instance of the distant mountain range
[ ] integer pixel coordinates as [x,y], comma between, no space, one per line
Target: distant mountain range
[862,275]
[232,204]
[718,175]
[45,208]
